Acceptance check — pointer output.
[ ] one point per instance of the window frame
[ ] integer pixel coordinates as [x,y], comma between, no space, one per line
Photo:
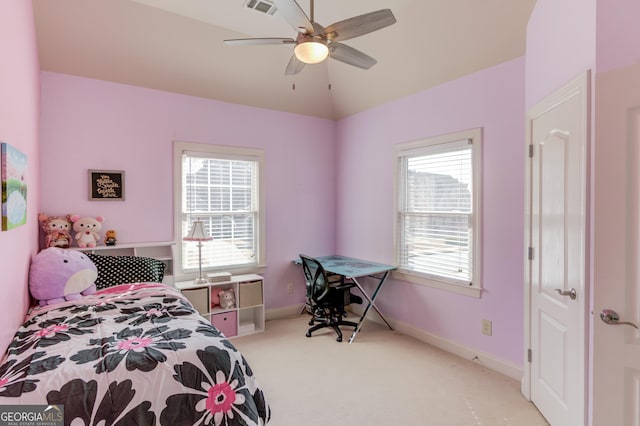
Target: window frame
[226,153]
[414,149]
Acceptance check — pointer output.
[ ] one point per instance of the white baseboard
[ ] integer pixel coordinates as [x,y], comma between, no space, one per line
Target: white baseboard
[507,368]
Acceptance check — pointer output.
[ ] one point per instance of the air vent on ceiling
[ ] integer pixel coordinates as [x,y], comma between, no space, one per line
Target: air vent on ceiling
[263,6]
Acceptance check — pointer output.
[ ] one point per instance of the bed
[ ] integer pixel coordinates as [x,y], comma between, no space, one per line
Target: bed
[130,354]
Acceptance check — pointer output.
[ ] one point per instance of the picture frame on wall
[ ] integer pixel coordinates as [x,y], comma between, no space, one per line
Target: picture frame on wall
[106,185]
[14,187]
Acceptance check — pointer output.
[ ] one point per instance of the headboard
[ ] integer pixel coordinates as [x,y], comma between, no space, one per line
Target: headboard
[162,252]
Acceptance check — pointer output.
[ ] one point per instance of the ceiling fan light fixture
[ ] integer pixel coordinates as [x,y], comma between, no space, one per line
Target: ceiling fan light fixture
[311,52]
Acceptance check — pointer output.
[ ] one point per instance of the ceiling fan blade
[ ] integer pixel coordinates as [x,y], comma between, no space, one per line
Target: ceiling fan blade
[254,41]
[294,66]
[351,56]
[293,14]
[360,25]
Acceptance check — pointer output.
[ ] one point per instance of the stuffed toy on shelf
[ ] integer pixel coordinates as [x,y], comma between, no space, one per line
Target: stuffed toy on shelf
[215,297]
[227,299]
[56,229]
[87,230]
[110,237]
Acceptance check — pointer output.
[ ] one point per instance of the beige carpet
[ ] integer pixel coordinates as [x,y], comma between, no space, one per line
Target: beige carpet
[383,378]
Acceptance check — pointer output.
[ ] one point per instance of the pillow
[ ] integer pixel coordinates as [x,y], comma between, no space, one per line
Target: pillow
[114,270]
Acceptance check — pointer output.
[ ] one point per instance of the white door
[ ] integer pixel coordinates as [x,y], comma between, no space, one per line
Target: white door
[556,271]
[616,353]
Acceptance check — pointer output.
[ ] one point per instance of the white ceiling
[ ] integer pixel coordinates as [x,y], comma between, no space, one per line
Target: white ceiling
[177,46]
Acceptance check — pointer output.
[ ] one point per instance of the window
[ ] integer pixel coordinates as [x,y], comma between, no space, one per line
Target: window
[220,186]
[438,212]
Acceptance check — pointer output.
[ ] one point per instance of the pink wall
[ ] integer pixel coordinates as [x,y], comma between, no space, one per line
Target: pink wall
[561,42]
[494,100]
[618,36]
[19,105]
[91,124]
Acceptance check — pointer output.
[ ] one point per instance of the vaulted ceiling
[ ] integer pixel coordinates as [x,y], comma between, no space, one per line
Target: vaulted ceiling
[177,46]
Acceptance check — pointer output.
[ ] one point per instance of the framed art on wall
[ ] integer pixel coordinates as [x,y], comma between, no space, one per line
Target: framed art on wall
[14,187]
[106,185]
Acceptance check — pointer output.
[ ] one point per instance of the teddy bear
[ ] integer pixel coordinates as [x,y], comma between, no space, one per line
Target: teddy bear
[215,297]
[227,299]
[87,230]
[57,275]
[56,230]
[110,237]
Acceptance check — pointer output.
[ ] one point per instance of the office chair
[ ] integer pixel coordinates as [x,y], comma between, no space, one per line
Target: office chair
[326,297]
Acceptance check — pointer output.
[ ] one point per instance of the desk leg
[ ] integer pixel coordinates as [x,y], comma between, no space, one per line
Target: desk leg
[369,305]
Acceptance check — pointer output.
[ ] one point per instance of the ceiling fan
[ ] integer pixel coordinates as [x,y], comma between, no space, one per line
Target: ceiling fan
[314,43]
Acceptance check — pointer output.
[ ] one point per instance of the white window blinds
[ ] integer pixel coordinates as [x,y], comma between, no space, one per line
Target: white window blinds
[223,193]
[435,212]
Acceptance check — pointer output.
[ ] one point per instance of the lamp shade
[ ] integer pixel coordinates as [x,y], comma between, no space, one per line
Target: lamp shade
[197,232]
[311,52]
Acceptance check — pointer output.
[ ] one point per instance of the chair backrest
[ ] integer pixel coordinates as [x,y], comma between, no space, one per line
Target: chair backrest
[315,277]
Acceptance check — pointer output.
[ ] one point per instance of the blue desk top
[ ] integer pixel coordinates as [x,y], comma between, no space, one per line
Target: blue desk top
[350,267]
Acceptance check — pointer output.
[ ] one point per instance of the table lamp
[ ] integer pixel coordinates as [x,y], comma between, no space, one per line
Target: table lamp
[197,234]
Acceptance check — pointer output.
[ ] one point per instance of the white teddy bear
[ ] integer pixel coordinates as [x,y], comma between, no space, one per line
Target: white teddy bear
[87,230]
[227,299]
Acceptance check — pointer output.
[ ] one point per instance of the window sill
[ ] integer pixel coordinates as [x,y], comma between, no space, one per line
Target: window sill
[471,291]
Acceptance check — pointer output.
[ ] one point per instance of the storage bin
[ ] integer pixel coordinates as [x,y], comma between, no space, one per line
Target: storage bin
[250,294]
[199,298]
[226,322]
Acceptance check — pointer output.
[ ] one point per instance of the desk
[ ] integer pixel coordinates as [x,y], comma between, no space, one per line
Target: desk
[354,269]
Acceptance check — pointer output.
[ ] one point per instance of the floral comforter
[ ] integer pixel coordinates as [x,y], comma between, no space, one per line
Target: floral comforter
[131,355]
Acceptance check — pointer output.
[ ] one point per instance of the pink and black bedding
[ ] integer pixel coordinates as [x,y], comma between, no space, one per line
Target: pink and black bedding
[134,354]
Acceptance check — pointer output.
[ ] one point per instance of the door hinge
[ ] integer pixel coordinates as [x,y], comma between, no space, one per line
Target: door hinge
[531,151]
[530,255]
[529,355]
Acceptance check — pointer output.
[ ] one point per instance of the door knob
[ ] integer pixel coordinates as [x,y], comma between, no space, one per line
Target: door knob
[612,318]
[571,293]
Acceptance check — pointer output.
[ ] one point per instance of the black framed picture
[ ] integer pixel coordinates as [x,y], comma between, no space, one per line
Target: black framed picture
[106,185]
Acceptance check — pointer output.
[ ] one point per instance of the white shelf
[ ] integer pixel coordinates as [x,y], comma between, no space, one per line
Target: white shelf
[244,318]
[163,251]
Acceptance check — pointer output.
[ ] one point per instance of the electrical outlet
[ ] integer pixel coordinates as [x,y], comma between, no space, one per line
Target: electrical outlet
[289,288]
[486,327]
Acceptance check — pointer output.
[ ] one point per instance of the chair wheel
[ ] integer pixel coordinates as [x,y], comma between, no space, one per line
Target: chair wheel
[311,321]
[339,339]
[308,334]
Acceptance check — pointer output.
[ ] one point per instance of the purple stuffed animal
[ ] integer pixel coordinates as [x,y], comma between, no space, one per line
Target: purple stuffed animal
[57,275]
